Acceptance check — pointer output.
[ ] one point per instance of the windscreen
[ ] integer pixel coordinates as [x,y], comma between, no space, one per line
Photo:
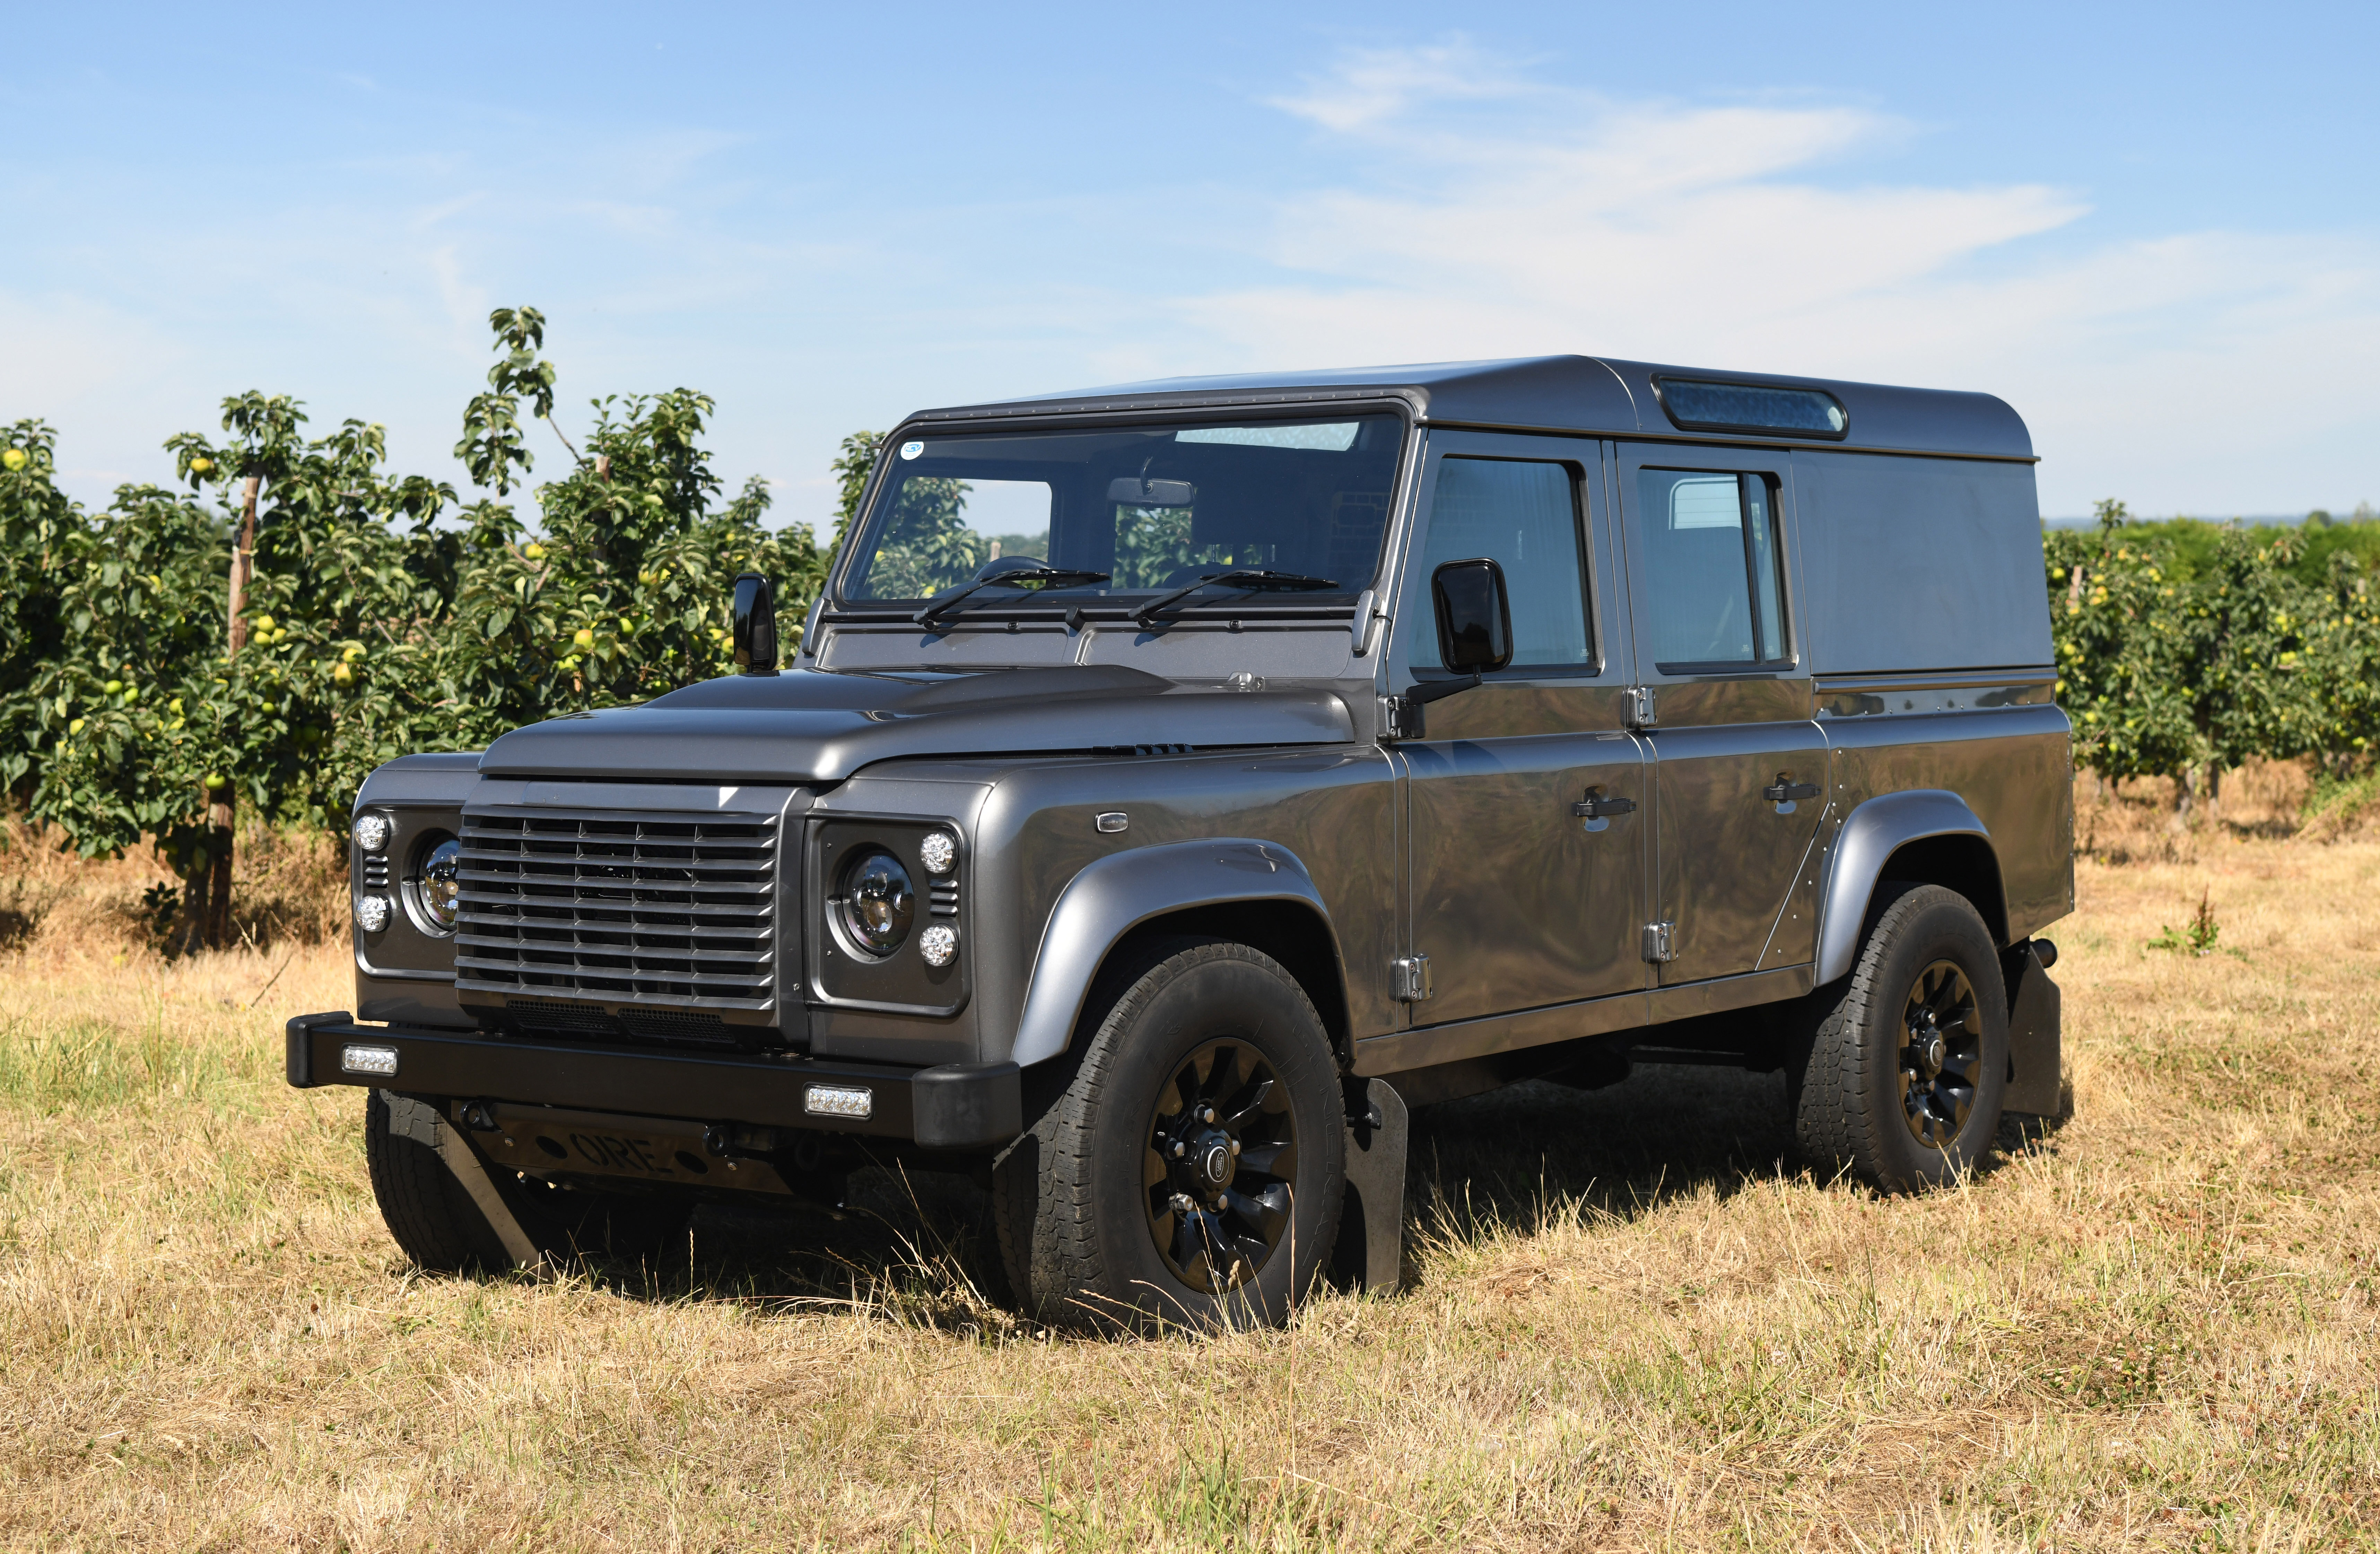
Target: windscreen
[1154,507]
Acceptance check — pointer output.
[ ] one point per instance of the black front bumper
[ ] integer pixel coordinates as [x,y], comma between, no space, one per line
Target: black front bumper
[958,1106]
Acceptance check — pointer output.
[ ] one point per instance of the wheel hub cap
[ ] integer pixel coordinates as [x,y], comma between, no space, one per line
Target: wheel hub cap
[1941,1055]
[1221,1154]
[1219,1165]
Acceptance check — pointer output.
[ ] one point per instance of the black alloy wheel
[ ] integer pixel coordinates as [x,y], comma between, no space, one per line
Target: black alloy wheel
[1896,1071]
[1221,1156]
[1942,1060]
[1184,1165]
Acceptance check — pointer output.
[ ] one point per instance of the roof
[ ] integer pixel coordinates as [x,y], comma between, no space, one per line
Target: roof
[1571,393]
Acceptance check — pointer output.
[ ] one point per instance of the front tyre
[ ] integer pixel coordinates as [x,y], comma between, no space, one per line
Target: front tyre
[1192,1169]
[1900,1069]
[434,1221]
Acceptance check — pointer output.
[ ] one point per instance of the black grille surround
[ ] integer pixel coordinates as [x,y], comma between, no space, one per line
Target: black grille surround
[606,922]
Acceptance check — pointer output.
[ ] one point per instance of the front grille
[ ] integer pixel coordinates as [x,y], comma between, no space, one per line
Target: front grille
[671,913]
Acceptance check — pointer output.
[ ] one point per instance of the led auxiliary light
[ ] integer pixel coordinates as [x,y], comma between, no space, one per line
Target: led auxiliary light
[938,852]
[939,945]
[854,1102]
[371,833]
[371,912]
[379,1061]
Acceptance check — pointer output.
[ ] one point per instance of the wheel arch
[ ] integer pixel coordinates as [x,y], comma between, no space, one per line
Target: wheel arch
[1256,892]
[1930,836]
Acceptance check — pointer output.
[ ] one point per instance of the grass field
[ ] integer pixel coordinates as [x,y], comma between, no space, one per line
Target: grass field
[1630,1322]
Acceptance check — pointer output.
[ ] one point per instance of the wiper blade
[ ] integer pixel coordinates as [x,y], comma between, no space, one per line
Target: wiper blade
[1251,581]
[942,603]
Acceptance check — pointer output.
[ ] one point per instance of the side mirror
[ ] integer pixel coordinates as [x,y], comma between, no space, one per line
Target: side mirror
[1475,616]
[755,626]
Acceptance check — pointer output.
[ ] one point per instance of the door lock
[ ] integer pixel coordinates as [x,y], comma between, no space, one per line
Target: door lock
[1784,792]
[1599,803]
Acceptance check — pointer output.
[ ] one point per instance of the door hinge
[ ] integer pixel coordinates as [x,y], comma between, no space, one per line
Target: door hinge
[1640,711]
[1411,974]
[1660,942]
[1401,718]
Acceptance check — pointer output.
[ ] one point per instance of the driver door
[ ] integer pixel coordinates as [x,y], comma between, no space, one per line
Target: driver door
[1516,902]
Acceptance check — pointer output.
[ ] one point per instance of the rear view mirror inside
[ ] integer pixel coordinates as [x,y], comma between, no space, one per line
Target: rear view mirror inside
[1131,491]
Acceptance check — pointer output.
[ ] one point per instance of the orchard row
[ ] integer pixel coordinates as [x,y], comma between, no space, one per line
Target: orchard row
[290,613]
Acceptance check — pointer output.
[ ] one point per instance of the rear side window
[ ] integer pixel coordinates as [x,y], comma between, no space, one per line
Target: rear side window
[1715,595]
[1524,514]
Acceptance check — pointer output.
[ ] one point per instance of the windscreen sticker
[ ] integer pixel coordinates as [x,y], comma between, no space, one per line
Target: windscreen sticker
[911,450]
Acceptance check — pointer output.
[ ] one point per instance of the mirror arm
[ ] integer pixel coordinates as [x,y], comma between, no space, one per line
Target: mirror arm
[1438,690]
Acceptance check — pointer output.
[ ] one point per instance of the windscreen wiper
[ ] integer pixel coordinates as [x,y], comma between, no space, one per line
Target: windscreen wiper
[941,603]
[1146,613]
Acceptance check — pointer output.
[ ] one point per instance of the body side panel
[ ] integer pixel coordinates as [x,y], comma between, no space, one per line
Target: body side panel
[2008,771]
[1327,813]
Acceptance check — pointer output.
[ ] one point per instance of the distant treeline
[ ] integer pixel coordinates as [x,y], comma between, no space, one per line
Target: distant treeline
[288,613]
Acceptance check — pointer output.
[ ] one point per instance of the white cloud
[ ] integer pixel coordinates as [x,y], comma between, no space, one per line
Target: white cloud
[1719,236]
[1370,86]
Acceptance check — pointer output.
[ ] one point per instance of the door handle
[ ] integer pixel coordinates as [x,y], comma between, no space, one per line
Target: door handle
[1598,804]
[1783,792]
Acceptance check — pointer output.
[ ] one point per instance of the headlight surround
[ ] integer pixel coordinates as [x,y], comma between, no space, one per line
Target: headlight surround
[876,902]
[437,887]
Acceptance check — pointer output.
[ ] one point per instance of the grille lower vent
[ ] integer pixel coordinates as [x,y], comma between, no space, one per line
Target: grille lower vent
[543,1017]
[675,913]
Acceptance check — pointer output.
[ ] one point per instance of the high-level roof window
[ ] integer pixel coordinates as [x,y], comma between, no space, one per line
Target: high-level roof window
[1699,405]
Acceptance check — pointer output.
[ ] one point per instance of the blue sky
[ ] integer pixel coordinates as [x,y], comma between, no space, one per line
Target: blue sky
[2152,229]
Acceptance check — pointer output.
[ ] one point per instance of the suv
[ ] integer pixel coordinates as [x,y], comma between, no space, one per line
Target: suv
[1309,747]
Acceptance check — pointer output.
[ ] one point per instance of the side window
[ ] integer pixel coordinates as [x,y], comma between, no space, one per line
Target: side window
[1711,568]
[1526,514]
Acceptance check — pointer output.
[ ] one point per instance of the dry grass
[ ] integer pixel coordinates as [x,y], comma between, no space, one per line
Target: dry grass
[288,889]
[1628,1325]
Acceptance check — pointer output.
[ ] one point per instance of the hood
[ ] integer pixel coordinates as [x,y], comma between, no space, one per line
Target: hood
[812,725]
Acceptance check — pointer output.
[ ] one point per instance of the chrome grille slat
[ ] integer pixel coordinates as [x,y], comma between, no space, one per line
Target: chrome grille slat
[661,910]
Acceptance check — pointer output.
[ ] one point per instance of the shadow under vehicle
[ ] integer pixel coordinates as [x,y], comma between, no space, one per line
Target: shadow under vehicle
[1331,744]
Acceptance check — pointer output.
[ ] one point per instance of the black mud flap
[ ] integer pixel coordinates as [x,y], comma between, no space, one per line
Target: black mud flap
[2037,1080]
[1371,1250]
[418,1118]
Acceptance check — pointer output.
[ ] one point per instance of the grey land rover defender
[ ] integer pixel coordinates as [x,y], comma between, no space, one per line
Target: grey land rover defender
[1324,745]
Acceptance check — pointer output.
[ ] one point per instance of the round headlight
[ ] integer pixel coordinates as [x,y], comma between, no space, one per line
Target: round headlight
[371,833]
[939,945]
[439,890]
[938,852]
[371,912]
[876,902]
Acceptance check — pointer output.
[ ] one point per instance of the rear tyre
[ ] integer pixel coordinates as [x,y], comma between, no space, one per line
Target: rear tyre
[1192,1169]
[1900,1068]
[439,1226]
